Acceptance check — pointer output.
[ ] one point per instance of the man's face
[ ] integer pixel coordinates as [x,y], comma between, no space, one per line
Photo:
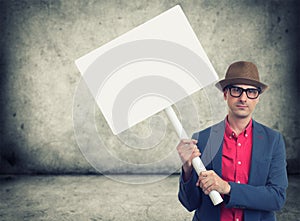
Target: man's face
[242,106]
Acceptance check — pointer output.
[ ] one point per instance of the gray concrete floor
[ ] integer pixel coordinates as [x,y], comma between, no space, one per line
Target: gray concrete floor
[100,198]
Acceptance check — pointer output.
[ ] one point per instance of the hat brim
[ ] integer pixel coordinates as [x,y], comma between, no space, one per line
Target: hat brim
[225,82]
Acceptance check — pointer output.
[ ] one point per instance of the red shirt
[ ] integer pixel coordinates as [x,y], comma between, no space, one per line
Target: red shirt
[236,159]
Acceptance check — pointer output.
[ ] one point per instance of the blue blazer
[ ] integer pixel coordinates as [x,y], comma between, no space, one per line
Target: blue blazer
[265,192]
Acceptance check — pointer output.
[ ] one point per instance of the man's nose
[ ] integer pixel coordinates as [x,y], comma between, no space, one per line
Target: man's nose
[243,96]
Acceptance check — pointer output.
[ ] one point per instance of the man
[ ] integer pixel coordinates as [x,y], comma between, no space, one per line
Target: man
[245,160]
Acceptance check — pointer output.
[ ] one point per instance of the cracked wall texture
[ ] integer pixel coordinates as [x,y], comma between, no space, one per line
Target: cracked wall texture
[41,39]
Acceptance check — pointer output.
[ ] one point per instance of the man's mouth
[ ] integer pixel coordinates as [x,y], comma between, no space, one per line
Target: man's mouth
[241,106]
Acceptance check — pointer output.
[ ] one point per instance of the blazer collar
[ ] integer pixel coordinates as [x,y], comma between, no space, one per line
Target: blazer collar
[258,143]
[215,145]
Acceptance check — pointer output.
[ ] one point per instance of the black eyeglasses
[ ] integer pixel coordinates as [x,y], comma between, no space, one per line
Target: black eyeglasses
[252,93]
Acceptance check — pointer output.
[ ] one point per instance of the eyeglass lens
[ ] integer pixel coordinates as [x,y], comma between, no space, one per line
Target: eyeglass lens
[251,93]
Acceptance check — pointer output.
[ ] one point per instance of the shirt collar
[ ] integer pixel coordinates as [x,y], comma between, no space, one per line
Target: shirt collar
[231,134]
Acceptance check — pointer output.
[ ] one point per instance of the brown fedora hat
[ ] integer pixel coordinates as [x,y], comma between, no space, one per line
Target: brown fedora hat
[241,72]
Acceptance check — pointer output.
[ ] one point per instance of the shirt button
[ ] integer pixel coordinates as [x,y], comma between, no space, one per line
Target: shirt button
[238,181]
[239,144]
[246,135]
[230,137]
[239,162]
[237,219]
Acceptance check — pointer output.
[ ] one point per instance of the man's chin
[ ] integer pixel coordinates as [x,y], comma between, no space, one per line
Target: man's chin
[242,114]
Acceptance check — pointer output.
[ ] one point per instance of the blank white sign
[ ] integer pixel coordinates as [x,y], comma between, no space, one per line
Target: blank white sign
[146,69]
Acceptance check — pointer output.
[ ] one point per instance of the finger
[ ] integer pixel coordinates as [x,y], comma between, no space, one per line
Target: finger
[207,173]
[186,155]
[202,177]
[207,187]
[186,141]
[206,192]
[189,149]
[203,174]
[192,145]
[194,141]
[195,153]
[206,183]
[196,150]
[184,147]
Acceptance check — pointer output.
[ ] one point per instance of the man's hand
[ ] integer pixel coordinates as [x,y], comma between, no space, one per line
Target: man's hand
[187,151]
[209,180]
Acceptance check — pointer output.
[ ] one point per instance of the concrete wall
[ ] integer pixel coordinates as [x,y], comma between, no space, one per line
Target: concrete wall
[41,39]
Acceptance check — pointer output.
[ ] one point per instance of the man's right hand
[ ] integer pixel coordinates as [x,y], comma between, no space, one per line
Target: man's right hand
[187,150]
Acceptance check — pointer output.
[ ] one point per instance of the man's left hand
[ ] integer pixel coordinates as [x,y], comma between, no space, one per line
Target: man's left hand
[209,180]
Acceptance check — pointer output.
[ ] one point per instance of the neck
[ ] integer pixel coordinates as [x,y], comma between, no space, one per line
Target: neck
[238,124]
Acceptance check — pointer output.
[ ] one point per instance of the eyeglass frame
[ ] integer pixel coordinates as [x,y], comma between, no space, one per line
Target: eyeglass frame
[243,90]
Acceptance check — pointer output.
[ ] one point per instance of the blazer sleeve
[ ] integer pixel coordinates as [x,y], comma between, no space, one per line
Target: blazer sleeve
[270,194]
[189,194]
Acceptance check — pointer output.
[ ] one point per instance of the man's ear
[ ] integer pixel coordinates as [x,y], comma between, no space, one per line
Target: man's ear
[225,94]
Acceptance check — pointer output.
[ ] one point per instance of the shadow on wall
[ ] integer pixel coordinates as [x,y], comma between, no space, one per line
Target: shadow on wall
[294,163]
[7,157]
[10,153]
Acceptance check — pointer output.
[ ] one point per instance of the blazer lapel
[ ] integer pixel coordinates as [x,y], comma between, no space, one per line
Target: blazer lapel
[215,145]
[258,154]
